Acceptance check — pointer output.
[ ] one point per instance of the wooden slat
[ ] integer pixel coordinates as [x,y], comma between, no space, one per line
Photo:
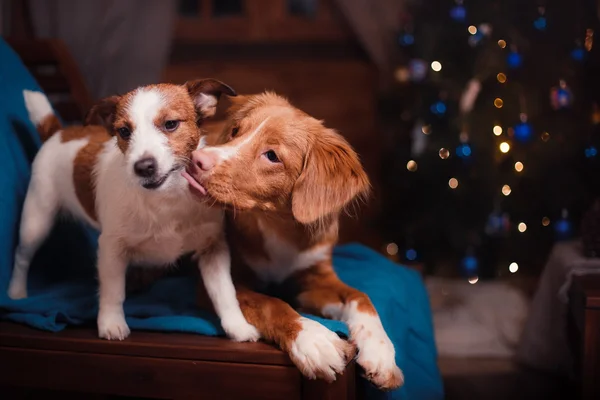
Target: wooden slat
[53,83]
[146,344]
[36,53]
[146,377]
[264,21]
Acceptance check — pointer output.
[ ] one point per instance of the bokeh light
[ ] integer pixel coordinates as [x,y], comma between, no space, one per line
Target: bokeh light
[444,153]
[497,130]
[473,280]
[506,190]
[392,249]
[453,183]
[504,147]
[519,166]
[545,221]
[513,267]
[522,227]
[502,43]
[436,66]
[498,103]
[501,77]
[411,165]
[472,29]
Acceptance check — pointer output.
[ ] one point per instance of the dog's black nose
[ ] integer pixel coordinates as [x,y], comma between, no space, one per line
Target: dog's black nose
[145,168]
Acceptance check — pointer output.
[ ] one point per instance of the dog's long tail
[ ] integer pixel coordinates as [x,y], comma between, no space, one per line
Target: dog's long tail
[41,114]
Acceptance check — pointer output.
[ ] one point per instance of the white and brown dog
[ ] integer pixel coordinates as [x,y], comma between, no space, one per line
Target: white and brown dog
[122,174]
[285,179]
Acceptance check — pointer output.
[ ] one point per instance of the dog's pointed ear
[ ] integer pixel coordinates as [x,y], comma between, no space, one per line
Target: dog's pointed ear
[332,177]
[103,113]
[206,94]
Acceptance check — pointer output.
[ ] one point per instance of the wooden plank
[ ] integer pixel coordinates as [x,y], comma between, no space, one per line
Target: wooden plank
[146,377]
[589,285]
[591,355]
[342,388]
[146,344]
[34,51]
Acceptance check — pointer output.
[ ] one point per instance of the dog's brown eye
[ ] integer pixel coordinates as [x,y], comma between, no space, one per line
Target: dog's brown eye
[124,132]
[170,126]
[234,131]
[272,156]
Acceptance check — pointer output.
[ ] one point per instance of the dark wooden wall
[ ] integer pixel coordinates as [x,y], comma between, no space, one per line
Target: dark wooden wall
[311,58]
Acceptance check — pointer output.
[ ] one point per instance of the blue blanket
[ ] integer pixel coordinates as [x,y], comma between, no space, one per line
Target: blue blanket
[62,285]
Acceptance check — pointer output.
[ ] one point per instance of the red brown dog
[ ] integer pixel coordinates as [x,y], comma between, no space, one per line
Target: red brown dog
[285,178]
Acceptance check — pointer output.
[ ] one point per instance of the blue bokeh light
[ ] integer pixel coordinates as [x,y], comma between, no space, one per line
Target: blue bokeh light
[411,254]
[540,23]
[438,108]
[470,265]
[463,150]
[406,39]
[578,54]
[458,13]
[514,60]
[591,152]
[523,132]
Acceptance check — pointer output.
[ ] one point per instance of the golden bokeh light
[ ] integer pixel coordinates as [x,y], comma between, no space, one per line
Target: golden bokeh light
[453,183]
[545,221]
[473,280]
[522,227]
[545,136]
[497,130]
[513,267]
[506,190]
[426,129]
[502,43]
[472,29]
[501,77]
[504,147]
[519,166]
[411,165]
[444,153]
[436,66]
[392,249]
[498,103]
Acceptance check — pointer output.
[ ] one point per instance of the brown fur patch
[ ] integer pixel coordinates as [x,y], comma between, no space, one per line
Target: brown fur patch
[185,138]
[84,163]
[276,320]
[48,127]
[320,286]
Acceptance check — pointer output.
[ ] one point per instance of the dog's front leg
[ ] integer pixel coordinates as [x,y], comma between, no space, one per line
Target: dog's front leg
[322,293]
[215,267]
[112,269]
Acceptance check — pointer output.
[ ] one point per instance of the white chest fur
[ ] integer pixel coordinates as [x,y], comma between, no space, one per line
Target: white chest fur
[156,227]
[284,258]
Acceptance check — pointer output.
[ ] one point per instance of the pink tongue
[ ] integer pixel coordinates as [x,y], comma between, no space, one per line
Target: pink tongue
[193,183]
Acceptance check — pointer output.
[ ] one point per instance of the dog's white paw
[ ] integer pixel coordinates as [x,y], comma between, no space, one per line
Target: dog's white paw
[239,330]
[17,290]
[319,352]
[112,326]
[376,354]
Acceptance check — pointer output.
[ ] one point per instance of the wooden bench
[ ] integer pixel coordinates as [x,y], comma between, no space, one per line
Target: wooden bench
[152,365]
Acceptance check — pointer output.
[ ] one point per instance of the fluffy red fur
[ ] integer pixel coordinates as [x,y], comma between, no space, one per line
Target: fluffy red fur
[285,178]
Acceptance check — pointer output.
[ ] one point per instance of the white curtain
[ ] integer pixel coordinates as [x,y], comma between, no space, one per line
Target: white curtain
[117,44]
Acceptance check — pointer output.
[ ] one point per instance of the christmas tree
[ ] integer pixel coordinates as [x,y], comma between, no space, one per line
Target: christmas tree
[491,153]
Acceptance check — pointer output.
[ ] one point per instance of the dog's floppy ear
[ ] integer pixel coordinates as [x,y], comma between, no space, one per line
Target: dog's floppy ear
[103,113]
[206,93]
[331,178]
